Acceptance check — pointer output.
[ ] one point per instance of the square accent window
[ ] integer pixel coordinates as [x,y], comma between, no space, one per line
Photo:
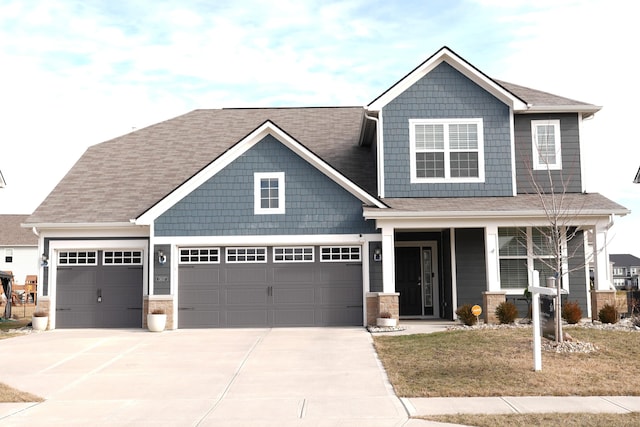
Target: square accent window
[546,144]
[8,255]
[446,150]
[268,193]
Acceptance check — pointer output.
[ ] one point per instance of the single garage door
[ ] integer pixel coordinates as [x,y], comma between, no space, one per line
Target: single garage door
[269,286]
[99,289]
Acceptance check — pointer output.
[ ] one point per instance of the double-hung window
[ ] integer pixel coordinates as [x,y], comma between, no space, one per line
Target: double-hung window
[546,144]
[523,249]
[446,150]
[268,193]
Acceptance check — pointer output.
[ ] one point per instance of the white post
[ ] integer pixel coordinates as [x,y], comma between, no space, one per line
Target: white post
[537,342]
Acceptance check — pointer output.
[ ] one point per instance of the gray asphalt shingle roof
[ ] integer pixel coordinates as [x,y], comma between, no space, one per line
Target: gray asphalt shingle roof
[119,179]
[11,234]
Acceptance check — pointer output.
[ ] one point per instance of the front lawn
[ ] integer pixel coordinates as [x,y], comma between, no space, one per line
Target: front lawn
[499,362]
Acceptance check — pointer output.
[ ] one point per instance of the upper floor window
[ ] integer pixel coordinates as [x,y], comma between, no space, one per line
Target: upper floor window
[268,193]
[546,144]
[8,255]
[446,150]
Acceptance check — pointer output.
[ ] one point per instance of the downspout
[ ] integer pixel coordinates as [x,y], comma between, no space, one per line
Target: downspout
[379,155]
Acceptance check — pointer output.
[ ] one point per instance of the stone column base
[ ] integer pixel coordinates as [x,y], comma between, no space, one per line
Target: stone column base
[158,302]
[599,299]
[378,302]
[491,301]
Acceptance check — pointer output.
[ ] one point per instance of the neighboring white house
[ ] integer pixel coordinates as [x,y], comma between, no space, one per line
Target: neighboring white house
[18,248]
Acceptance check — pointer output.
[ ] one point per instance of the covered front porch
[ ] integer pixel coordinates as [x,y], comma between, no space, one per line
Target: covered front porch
[439,254]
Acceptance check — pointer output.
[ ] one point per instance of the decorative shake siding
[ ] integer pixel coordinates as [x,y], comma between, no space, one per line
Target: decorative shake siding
[224,205]
[445,93]
[570,142]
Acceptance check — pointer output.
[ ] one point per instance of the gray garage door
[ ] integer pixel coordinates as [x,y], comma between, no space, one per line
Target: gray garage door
[98,289]
[246,287]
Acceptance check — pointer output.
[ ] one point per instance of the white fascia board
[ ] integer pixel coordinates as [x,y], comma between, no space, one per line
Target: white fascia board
[445,55]
[586,110]
[268,240]
[267,128]
[429,215]
[79,225]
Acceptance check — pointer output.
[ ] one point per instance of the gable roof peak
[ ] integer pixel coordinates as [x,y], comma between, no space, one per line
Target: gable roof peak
[445,54]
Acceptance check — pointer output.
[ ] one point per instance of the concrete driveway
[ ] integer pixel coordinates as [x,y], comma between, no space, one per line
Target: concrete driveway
[216,377]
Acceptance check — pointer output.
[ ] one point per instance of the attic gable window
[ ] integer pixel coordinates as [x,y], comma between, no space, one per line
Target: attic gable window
[546,144]
[446,150]
[268,193]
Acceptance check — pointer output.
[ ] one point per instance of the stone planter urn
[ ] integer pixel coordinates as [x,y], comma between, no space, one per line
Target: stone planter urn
[385,320]
[156,321]
[39,321]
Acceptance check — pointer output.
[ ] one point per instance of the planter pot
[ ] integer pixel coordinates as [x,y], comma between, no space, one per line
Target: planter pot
[385,322]
[39,323]
[156,322]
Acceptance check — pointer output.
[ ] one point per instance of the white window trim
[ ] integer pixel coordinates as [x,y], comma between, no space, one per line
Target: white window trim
[76,252]
[447,171]
[303,253]
[557,144]
[257,177]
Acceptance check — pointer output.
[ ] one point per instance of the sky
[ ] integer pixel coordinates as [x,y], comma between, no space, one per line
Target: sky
[74,73]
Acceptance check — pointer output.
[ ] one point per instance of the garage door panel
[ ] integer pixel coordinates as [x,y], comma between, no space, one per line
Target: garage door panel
[246,274]
[293,273]
[191,274]
[341,316]
[340,295]
[339,272]
[291,295]
[247,317]
[246,296]
[198,318]
[298,317]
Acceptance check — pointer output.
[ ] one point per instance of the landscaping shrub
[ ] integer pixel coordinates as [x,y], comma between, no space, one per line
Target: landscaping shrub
[506,312]
[608,314]
[571,312]
[465,315]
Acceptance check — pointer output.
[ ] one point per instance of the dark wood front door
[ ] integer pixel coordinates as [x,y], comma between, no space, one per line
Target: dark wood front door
[408,280]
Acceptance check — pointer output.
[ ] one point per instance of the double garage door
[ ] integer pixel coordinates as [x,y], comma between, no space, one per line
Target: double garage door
[99,289]
[269,286]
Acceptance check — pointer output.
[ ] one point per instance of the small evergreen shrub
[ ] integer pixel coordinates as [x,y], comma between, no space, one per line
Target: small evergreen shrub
[385,315]
[571,312]
[608,314]
[465,315]
[506,312]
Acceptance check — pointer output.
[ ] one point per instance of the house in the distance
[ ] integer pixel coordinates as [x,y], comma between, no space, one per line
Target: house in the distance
[434,195]
[18,248]
[625,270]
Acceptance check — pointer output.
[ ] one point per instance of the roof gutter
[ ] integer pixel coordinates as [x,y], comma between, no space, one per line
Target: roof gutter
[391,213]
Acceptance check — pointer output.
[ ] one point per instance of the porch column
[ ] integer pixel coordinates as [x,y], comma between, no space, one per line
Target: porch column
[492,259]
[601,258]
[388,260]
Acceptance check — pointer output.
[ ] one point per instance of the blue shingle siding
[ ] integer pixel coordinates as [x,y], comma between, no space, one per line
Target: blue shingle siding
[445,93]
[224,205]
[570,143]
[471,273]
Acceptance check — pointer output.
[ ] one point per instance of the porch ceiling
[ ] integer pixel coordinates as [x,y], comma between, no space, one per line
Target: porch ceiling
[523,205]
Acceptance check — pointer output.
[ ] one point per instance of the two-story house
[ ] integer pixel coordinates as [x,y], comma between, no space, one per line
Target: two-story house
[435,194]
[625,271]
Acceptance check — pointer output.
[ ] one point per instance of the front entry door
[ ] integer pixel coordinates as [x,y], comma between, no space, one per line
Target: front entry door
[417,279]
[409,281]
